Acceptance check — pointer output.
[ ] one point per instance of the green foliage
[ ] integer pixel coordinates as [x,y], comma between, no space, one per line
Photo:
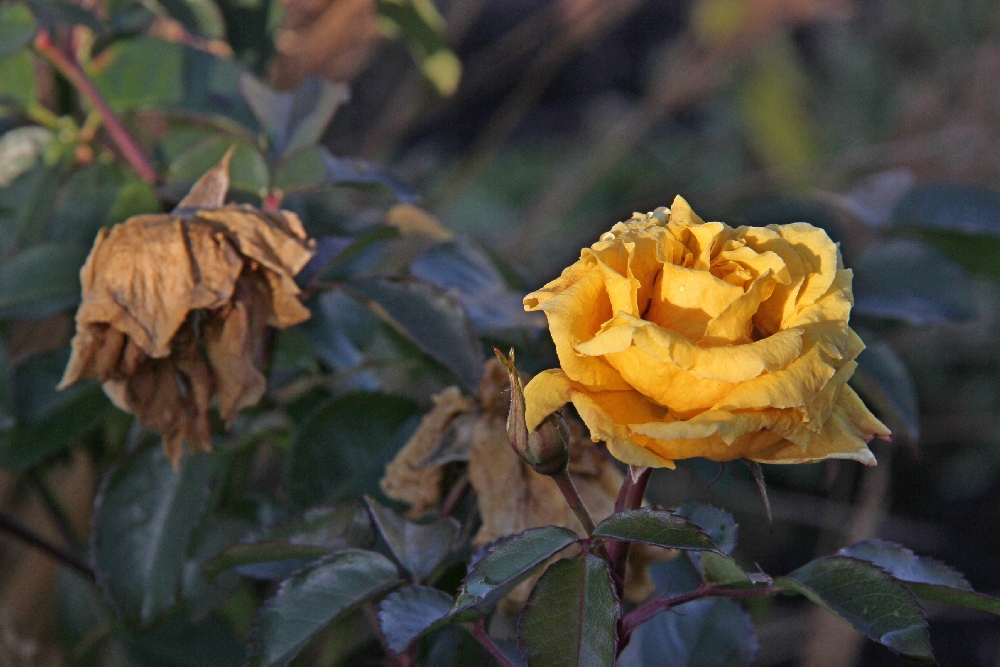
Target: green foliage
[419,548]
[311,599]
[409,613]
[146,514]
[653,526]
[866,597]
[570,617]
[17,28]
[509,561]
[341,449]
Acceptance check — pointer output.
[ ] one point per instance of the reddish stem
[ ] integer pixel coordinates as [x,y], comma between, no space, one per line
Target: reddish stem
[573,499]
[629,498]
[70,68]
[455,496]
[654,607]
[479,632]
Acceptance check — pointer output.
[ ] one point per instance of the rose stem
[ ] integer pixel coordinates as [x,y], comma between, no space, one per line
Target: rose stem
[70,68]
[15,528]
[629,498]
[455,496]
[654,607]
[479,632]
[565,484]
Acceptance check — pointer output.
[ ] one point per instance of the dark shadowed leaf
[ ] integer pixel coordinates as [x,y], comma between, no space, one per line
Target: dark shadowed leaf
[41,280]
[508,561]
[570,618]
[868,598]
[432,319]
[928,578]
[356,171]
[463,269]
[182,642]
[658,527]
[718,524]
[409,612]
[200,17]
[961,208]
[290,556]
[297,119]
[703,633]
[911,281]
[883,378]
[146,514]
[202,593]
[17,28]
[419,548]
[341,449]
[25,445]
[311,599]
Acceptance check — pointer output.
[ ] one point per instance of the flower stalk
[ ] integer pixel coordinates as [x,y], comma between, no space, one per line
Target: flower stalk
[71,69]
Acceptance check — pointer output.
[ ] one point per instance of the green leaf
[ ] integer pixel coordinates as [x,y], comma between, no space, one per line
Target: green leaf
[41,280]
[17,28]
[722,570]
[18,88]
[930,579]
[570,619]
[703,633]
[410,612]
[313,598]
[423,29]
[868,598]
[718,524]
[357,171]
[257,553]
[146,513]
[201,592]
[432,319]
[297,119]
[276,553]
[885,382]
[248,170]
[419,548]
[341,449]
[179,641]
[507,562]
[658,527]
[26,445]
[85,202]
[142,72]
[911,281]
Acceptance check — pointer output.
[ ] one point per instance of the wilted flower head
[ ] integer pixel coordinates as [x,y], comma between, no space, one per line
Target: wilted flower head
[175,308]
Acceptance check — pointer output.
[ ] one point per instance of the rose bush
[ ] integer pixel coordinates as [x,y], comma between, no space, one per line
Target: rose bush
[679,338]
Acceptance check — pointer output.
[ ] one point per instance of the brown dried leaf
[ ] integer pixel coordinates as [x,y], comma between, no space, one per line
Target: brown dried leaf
[210,190]
[405,478]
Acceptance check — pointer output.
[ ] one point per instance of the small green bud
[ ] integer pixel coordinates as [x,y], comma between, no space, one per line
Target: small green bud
[546,449]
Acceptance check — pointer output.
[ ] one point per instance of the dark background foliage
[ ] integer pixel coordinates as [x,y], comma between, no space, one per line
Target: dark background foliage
[876,119]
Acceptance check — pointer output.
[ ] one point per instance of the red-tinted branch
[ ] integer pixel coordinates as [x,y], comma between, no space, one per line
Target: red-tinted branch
[479,632]
[71,69]
[15,528]
[654,607]
[573,499]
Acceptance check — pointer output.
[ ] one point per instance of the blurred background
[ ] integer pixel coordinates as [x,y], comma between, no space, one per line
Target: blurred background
[527,128]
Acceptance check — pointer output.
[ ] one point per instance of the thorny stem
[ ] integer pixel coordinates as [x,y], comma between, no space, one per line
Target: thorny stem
[654,607]
[630,497]
[565,484]
[71,69]
[479,632]
[15,528]
[458,491]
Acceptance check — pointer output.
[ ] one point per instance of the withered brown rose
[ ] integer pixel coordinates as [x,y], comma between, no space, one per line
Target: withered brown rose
[175,308]
[511,496]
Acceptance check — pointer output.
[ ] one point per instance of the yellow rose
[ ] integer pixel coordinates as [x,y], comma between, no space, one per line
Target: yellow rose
[680,338]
